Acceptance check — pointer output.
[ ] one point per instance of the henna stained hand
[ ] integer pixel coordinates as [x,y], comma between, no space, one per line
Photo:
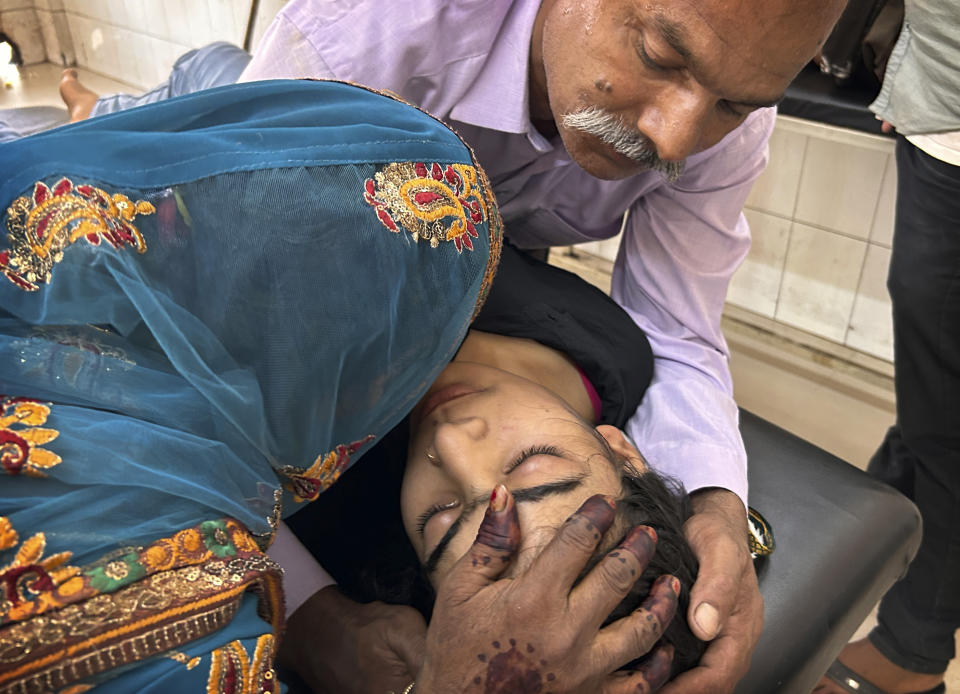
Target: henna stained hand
[534,632]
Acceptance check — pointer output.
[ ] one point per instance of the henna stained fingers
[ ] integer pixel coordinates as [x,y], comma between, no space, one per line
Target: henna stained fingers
[575,542]
[648,678]
[611,580]
[632,636]
[497,541]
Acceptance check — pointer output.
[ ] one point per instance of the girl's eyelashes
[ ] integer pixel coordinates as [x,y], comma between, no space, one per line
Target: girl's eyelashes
[531,452]
[424,517]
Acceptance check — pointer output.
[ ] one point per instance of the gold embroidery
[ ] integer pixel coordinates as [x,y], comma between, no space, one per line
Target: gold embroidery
[496,242]
[20,448]
[43,225]
[29,575]
[210,540]
[150,617]
[232,671]
[184,659]
[307,484]
[436,203]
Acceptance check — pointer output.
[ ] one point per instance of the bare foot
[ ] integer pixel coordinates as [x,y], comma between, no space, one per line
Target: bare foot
[79,99]
[864,659]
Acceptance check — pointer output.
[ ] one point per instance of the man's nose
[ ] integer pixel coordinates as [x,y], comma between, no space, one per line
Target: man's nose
[675,120]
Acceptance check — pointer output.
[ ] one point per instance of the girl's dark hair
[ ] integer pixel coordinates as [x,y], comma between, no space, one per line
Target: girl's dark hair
[355,530]
[651,499]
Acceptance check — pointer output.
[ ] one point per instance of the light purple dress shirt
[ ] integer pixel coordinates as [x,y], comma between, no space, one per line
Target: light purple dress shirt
[466,61]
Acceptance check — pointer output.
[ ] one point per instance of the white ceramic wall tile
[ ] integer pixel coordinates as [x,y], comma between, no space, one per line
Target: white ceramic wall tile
[265,13]
[75,25]
[871,325]
[839,186]
[73,6]
[147,61]
[23,26]
[820,281]
[756,284]
[198,20]
[128,68]
[51,41]
[224,21]
[49,5]
[119,13]
[11,5]
[137,20]
[157,22]
[882,231]
[776,189]
[241,16]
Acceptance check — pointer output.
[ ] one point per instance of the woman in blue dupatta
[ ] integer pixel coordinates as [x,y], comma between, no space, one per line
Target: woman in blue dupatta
[209,308]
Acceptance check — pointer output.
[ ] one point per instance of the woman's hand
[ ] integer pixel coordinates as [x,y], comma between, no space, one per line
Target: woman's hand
[343,647]
[535,632]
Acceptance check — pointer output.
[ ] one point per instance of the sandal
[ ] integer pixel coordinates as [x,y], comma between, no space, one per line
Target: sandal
[855,684]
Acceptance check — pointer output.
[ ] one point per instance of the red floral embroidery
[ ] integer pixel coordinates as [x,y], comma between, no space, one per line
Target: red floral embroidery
[436,203]
[43,225]
[307,484]
[20,450]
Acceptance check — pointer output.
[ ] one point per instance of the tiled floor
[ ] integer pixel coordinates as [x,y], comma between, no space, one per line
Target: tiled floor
[38,86]
[845,419]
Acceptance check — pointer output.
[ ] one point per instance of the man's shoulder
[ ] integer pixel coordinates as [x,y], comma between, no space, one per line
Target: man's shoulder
[420,28]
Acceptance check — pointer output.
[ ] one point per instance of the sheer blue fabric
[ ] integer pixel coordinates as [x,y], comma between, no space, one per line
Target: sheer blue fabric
[248,296]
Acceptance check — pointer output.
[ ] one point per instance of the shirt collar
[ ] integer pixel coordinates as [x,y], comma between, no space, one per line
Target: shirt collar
[499,96]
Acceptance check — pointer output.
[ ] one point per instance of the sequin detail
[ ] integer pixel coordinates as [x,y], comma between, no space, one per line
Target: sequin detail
[21,437]
[434,203]
[43,225]
[307,484]
[209,541]
[232,671]
[149,616]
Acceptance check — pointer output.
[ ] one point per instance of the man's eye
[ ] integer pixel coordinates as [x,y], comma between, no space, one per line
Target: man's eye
[647,60]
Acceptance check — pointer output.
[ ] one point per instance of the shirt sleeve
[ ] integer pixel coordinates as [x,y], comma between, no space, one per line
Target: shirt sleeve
[302,575]
[680,247]
[285,52]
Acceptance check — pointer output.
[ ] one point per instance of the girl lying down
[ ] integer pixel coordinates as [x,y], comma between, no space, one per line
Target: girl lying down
[209,307]
[532,400]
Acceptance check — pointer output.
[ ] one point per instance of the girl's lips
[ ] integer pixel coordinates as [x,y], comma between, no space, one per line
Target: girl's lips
[443,396]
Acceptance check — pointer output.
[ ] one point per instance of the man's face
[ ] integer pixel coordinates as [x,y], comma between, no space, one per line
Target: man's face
[668,76]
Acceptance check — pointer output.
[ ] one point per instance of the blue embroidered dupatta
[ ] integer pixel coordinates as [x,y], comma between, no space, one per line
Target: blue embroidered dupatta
[204,304]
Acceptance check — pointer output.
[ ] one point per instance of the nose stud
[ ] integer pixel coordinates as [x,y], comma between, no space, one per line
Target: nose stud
[432,458]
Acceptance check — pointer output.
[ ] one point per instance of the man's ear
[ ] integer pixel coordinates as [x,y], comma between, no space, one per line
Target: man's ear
[622,447]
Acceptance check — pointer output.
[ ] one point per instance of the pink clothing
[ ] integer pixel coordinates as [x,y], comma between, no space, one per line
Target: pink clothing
[595,402]
[466,61]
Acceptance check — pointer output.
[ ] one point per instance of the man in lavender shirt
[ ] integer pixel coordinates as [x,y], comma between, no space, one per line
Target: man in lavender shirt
[580,110]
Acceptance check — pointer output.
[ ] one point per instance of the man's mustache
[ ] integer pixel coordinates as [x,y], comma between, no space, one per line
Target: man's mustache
[603,125]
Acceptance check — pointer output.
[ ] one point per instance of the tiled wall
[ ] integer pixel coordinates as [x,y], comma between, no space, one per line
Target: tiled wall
[137,41]
[19,20]
[821,216]
[133,41]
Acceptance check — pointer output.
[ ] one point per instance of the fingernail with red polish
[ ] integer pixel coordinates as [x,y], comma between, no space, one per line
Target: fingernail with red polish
[498,498]
[641,541]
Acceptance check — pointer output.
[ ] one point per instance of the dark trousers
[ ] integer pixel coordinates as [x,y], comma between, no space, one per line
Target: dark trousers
[921,454]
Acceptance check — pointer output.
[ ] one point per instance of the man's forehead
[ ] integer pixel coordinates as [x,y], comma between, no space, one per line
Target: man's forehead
[752,48]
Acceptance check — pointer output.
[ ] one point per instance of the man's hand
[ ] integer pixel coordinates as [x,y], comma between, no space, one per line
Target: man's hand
[537,632]
[725,602]
[340,646]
